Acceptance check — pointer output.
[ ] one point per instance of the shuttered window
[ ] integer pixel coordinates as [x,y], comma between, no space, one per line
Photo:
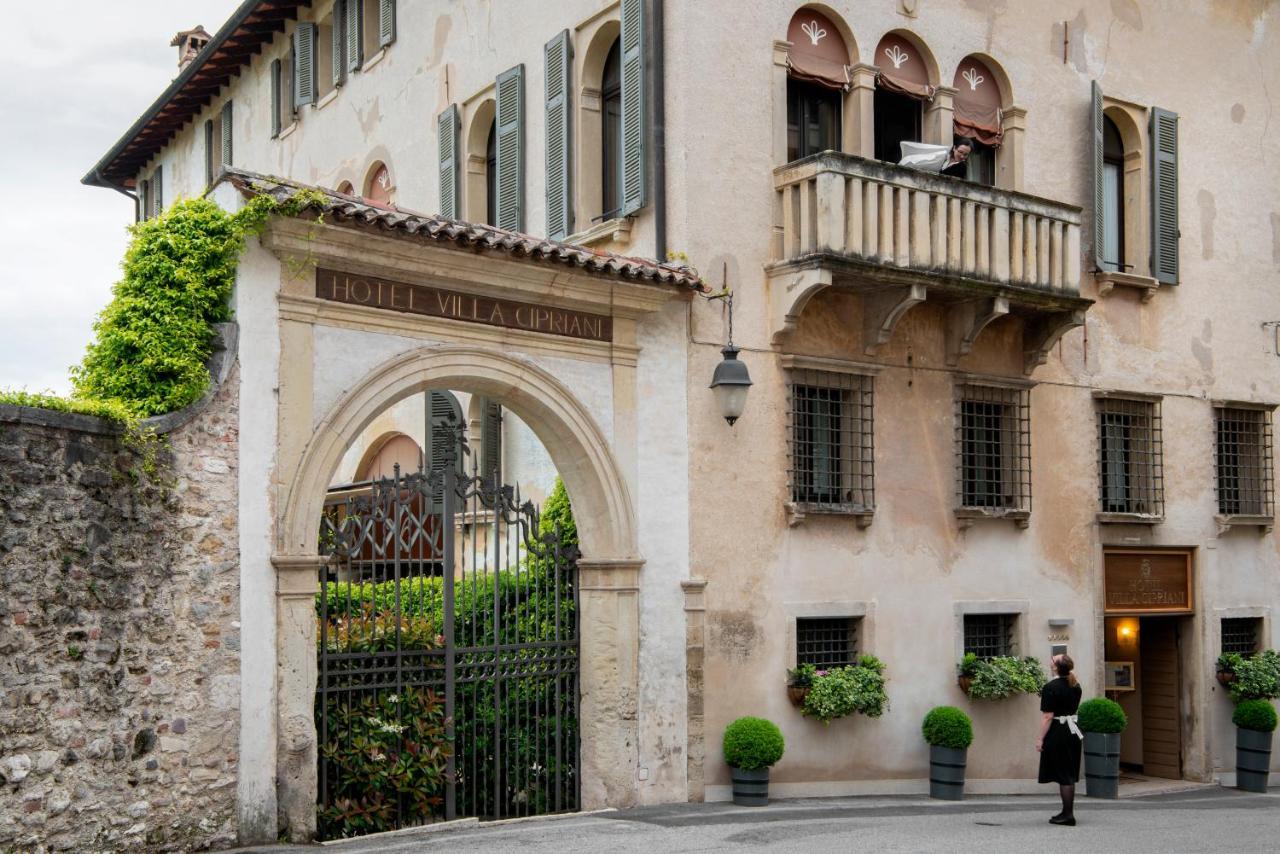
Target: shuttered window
[611,133]
[226,134]
[338,46]
[157,191]
[443,418]
[353,29]
[633,107]
[491,440]
[1097,134]
[210,163]
[386,22]
[447,126]
[277,83]
[510,143]
[559,65]
[144,200]
[1164,195]
[304,64]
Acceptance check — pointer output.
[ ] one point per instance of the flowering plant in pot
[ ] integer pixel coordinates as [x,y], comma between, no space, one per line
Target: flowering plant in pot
[843,691]
[948,732]
[1102,721]
[1000,676]
[1255,721]
[751,746]
[800,680]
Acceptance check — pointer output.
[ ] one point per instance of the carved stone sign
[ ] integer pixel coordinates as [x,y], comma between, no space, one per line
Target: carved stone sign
[1148,582]
[457,305]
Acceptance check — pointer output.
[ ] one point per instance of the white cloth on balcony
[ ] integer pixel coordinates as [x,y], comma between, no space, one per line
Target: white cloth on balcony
[925,156]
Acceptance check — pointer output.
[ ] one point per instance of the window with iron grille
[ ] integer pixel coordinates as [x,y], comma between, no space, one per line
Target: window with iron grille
[827,642]
[989,635]
[993,447]
[1244,462]
[832,455]
[1130,456]
[1240,635]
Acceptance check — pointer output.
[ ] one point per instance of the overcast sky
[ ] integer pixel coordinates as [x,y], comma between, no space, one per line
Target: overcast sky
[76,75]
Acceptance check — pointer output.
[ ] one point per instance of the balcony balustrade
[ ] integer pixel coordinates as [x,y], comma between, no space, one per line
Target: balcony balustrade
[901,236]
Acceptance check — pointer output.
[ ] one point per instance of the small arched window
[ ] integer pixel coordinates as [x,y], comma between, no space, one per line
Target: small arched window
[1112,196]
[902,87]
[378,189]
[346,189]
[817,77]
[611,132]
[977,117]
[399,451]
[491,176]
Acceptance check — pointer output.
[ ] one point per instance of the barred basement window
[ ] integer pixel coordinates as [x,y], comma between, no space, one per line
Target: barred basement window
[1240,635]
[1244,462]
[993,447]
[827,642]
[832,455]
[1130,456]
[989,635]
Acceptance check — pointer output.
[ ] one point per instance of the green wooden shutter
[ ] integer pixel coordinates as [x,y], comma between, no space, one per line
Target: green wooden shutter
[277,78]
[442,415]
[226,135]
[559,63]
[1099,207]
[491,440]
[338,64]
[1164,196]
[353,32]
[304,65]
[157,191]
[510,144]
[633,141]
[447,125]
[386,22]
[144,200]
[209,164]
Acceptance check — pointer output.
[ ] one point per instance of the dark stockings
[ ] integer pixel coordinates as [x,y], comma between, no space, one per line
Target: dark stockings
[1068,801]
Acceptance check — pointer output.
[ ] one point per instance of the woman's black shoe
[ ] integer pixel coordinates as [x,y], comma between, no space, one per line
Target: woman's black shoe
[1068,820]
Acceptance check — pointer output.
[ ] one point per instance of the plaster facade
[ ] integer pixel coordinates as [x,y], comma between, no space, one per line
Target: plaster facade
[726,568]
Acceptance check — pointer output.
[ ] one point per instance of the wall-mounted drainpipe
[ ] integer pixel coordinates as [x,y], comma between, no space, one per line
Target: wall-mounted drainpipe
[103,182]
[658,111]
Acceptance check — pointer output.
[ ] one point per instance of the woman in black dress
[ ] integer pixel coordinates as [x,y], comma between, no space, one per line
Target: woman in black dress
[1060,736]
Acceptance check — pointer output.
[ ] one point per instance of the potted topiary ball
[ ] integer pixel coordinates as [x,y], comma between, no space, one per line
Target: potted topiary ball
[751,745]
[949,732]
[1102,721]
[1255,721]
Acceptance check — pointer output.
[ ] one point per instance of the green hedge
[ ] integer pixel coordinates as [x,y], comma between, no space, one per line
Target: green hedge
[947,726]
[1257,676]
[752,743]
[1102,715]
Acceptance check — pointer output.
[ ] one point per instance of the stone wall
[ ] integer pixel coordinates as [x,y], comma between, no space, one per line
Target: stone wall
[119,635]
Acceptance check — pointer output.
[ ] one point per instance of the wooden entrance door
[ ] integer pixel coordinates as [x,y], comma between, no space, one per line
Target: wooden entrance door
[1161,698]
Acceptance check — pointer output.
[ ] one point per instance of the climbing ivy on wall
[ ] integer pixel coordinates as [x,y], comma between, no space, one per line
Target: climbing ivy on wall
[153,339]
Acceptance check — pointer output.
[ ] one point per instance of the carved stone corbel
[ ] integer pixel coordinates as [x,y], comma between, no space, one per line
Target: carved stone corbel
[882,310]
[1042,333]
[789,292]
[966,321]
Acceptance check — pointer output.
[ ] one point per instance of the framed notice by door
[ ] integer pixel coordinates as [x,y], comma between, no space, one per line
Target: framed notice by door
[1148,582]
[1119,676]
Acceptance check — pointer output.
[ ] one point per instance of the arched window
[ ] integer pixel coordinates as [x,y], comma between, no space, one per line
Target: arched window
[611,132]
[346,189]
[398,450]
[977,116]
[378,188]
[1112,196]
[817,77]
[491,176]
[902,87]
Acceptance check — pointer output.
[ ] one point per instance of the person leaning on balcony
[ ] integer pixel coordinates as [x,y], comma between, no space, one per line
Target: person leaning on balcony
[1060,736]
[938,158]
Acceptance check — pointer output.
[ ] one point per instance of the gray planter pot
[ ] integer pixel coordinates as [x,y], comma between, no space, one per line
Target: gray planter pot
[1102,764]
[750,788]
[1253,760]
[946,773]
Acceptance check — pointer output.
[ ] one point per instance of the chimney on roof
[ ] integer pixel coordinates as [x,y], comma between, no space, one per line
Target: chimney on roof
[189,43]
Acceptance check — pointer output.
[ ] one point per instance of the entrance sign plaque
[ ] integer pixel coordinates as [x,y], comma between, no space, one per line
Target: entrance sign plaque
[354,289]
[1148,582]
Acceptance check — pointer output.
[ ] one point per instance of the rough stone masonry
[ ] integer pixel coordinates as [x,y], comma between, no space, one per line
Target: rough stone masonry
[119,640]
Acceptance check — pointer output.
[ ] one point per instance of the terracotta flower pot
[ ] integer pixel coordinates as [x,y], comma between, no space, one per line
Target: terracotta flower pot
[965,682]
[1226,677]
[796,694]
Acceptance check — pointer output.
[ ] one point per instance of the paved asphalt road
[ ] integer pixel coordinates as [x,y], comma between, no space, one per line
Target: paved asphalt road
[1210,820]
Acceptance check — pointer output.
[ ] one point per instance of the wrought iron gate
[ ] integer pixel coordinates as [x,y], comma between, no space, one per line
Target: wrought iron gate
[448,655]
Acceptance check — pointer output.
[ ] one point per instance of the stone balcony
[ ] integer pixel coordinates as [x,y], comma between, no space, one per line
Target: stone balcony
[901,236]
